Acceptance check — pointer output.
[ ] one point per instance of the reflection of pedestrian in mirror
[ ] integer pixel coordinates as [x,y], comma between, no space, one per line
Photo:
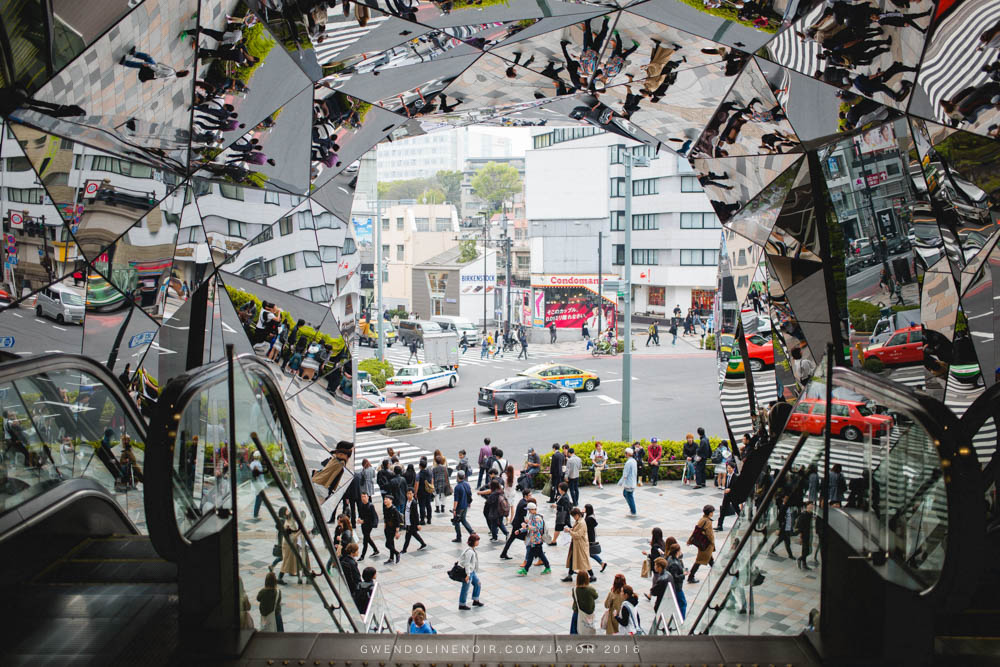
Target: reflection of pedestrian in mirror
[148,68]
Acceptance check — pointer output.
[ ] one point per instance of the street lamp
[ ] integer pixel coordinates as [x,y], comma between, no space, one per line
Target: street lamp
[630,161]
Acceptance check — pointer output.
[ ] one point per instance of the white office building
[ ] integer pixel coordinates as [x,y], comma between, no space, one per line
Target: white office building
[427,154]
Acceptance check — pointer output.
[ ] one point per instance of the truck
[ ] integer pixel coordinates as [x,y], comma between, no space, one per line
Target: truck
[368,333]
[441,349]
[891,321]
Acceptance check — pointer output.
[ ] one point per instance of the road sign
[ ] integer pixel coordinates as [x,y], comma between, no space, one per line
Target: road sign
[91,188]
[144,338]
[6,341]
[16,219]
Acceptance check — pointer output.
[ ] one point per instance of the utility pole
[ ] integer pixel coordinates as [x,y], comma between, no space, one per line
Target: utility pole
[509,244]
[600,281]
[378,277]
[486,240]
[630,160]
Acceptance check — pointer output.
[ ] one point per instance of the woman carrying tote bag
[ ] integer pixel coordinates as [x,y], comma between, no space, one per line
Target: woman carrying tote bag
[584,605]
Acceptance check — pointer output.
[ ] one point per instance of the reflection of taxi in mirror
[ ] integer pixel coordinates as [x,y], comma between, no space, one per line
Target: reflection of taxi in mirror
[734,366]
[849,420]
[905,346]
[369,413]
[564,376]
[761,352]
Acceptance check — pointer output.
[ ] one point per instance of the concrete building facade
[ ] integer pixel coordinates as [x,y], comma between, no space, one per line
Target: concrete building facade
[412,234]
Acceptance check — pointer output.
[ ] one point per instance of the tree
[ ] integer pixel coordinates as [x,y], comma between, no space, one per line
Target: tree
[467,251]
[496,183]
[408,189]
[451,183]
[431,196]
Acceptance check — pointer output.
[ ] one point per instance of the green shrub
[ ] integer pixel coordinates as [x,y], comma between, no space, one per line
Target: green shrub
[873,365]
[397,422]
[240,298]
[710,342]
[864,316]
[380,371]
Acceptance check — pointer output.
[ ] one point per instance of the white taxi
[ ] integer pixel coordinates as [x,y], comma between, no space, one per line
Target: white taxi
[420,379]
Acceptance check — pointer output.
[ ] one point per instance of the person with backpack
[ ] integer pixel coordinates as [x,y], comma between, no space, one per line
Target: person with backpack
[485,452]
[495,509]
[628,615]
[517,522]
[469,560]
[534,531]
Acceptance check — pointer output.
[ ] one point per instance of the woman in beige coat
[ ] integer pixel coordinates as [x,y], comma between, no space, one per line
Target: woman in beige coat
[578,557]
[289,563]
[705,555]
[613,605]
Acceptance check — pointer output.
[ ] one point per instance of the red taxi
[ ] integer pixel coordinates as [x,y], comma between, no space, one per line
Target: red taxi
[761,352]
[368,413]
[905,346]
[849,420]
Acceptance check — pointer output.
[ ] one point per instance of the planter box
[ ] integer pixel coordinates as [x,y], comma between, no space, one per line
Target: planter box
[401,431]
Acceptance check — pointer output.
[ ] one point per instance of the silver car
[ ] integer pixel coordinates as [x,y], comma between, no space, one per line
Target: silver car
[60,304]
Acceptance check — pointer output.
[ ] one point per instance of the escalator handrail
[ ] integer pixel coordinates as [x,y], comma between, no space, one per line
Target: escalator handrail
[768,498]
[963,478]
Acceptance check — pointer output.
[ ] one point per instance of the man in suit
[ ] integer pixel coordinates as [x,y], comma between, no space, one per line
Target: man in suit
[702,455]
[411,521]
[555,472]
[520,511]
[397,489]
[368,518]
[728,506]
[392,520]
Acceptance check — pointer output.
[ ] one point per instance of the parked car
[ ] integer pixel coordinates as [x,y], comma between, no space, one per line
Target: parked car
[5,299]
[511,395]
[60,304]
[420,379]
[368,413]
[905,346]
[849,420]
[409,330]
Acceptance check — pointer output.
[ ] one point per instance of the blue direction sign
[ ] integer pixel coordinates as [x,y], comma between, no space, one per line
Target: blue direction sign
[144,338]
[6,341]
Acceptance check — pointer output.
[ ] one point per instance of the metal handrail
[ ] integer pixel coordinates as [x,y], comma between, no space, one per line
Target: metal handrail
[376,612]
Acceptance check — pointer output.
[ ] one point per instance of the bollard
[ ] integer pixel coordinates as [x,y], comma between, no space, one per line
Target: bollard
[515,411]
[430,421]
[495,412]
[452,417]
[474,410]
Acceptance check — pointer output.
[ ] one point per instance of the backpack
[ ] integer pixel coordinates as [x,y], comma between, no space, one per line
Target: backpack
[717,456]
[503,505]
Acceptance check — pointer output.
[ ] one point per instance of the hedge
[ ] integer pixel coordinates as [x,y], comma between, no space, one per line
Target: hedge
[380,371]
[864,316]
[240,298]
[615,450]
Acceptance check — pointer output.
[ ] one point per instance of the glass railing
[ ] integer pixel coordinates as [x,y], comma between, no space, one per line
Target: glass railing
[669,618]
[281,525]
[66,417]
[378,617]
[886,480]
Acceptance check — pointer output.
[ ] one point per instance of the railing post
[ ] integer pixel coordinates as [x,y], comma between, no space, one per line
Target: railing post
[453,418]
[474,415]
[430,421]
[495,416]
[515,411]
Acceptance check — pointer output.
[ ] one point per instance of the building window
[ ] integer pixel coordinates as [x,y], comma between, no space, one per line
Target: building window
[385,224]
[619,254]
[699,257]
[271,197]
[26,195]
[399,224]
[616,153]
[230,191]
[683,166]
[306,220]
[642,221]
[400,249]
[438,282]
[330,253]
[442,224]
[385,251]
[285,226]
[237,229]
[617,187]
[656,295]
[264,236]
[325,221]
[617,221]
[288,263]
[690,184]
[423,224]
[349,247]
[891,169]
[17,163]
[700,221]
[644,257]
[319,294]
[311,258]
[743,281]
[118,166]
[523,262]
[645,186]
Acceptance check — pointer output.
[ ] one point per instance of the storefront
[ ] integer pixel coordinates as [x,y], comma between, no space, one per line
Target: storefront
[703,301]
[569,301]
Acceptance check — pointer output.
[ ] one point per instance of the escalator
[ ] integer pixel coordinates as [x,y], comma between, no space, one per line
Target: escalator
[893,548]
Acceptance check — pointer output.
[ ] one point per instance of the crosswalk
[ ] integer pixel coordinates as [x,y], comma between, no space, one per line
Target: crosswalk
[339,36]
[399,355]
[958,398]
[736,404]
[374,447]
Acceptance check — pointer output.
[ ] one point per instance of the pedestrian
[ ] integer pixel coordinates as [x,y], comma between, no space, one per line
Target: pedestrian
[397,488]
[464,343]
[364,593]
[269,603]
[673,331]
[279,527]
[639,453]
[485,452]
[689,450]
[803,526]
[598,460]
[289,556]
[555,471]
[532,466]
[470,561]
[517,521]
[484,347]
[493,509]
[391,520]
[578,556]
[552,332]
[836,486]
[584,603]
[534,531]
[628,481]
[812,480]
[657,548]
[343,534]
[720,456]
[411,522]
[786,526]
[349,567]
[728,506]
[413,351]
[593,546]
[419,625]
[367,478]
[564,507]
[655,453]
[701,457]
[148,68]
[703,538]
[613,604]
[368,520]
[425,491]
[650,333]
[460,506]
[628,616]
[660,579]
[675,566]
[573,467]
[523,340]
[257,482]
[442,483]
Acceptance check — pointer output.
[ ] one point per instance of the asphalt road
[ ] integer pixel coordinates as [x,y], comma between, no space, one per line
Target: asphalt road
[865,282]
[39,335]
[671,395]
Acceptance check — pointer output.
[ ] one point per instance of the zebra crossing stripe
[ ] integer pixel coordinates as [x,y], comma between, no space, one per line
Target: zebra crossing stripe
[339,36]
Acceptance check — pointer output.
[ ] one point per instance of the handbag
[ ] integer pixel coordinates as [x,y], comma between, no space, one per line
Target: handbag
[457,573]
[699,539]
[645,568]
[276,551]
[605,617]
[584,622]
[595,548]
[428,487]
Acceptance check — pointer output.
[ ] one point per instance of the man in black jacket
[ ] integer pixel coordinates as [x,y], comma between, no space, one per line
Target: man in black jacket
[349,567]
[368,518]
[564,505]
[728,506]
[424,496]
[383,476]
[702,456]
[365,588]
[411,521]
[397,488]
[391,520]
[555,471]
[520,511]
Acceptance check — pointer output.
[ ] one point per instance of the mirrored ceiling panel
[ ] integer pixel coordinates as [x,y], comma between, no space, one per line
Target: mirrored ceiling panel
[746,26]
[755,219]
[729,183]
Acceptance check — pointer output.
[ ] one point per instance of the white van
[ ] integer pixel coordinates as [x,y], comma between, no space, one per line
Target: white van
[459,325]
[60,304]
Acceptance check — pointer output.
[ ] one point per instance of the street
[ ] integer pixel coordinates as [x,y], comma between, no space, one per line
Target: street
[674,390]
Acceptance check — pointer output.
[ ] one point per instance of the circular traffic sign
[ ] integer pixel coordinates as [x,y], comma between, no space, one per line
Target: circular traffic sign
[16,218]
[91,188]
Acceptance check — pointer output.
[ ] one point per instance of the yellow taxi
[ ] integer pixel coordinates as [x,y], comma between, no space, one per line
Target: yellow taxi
[564,376]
